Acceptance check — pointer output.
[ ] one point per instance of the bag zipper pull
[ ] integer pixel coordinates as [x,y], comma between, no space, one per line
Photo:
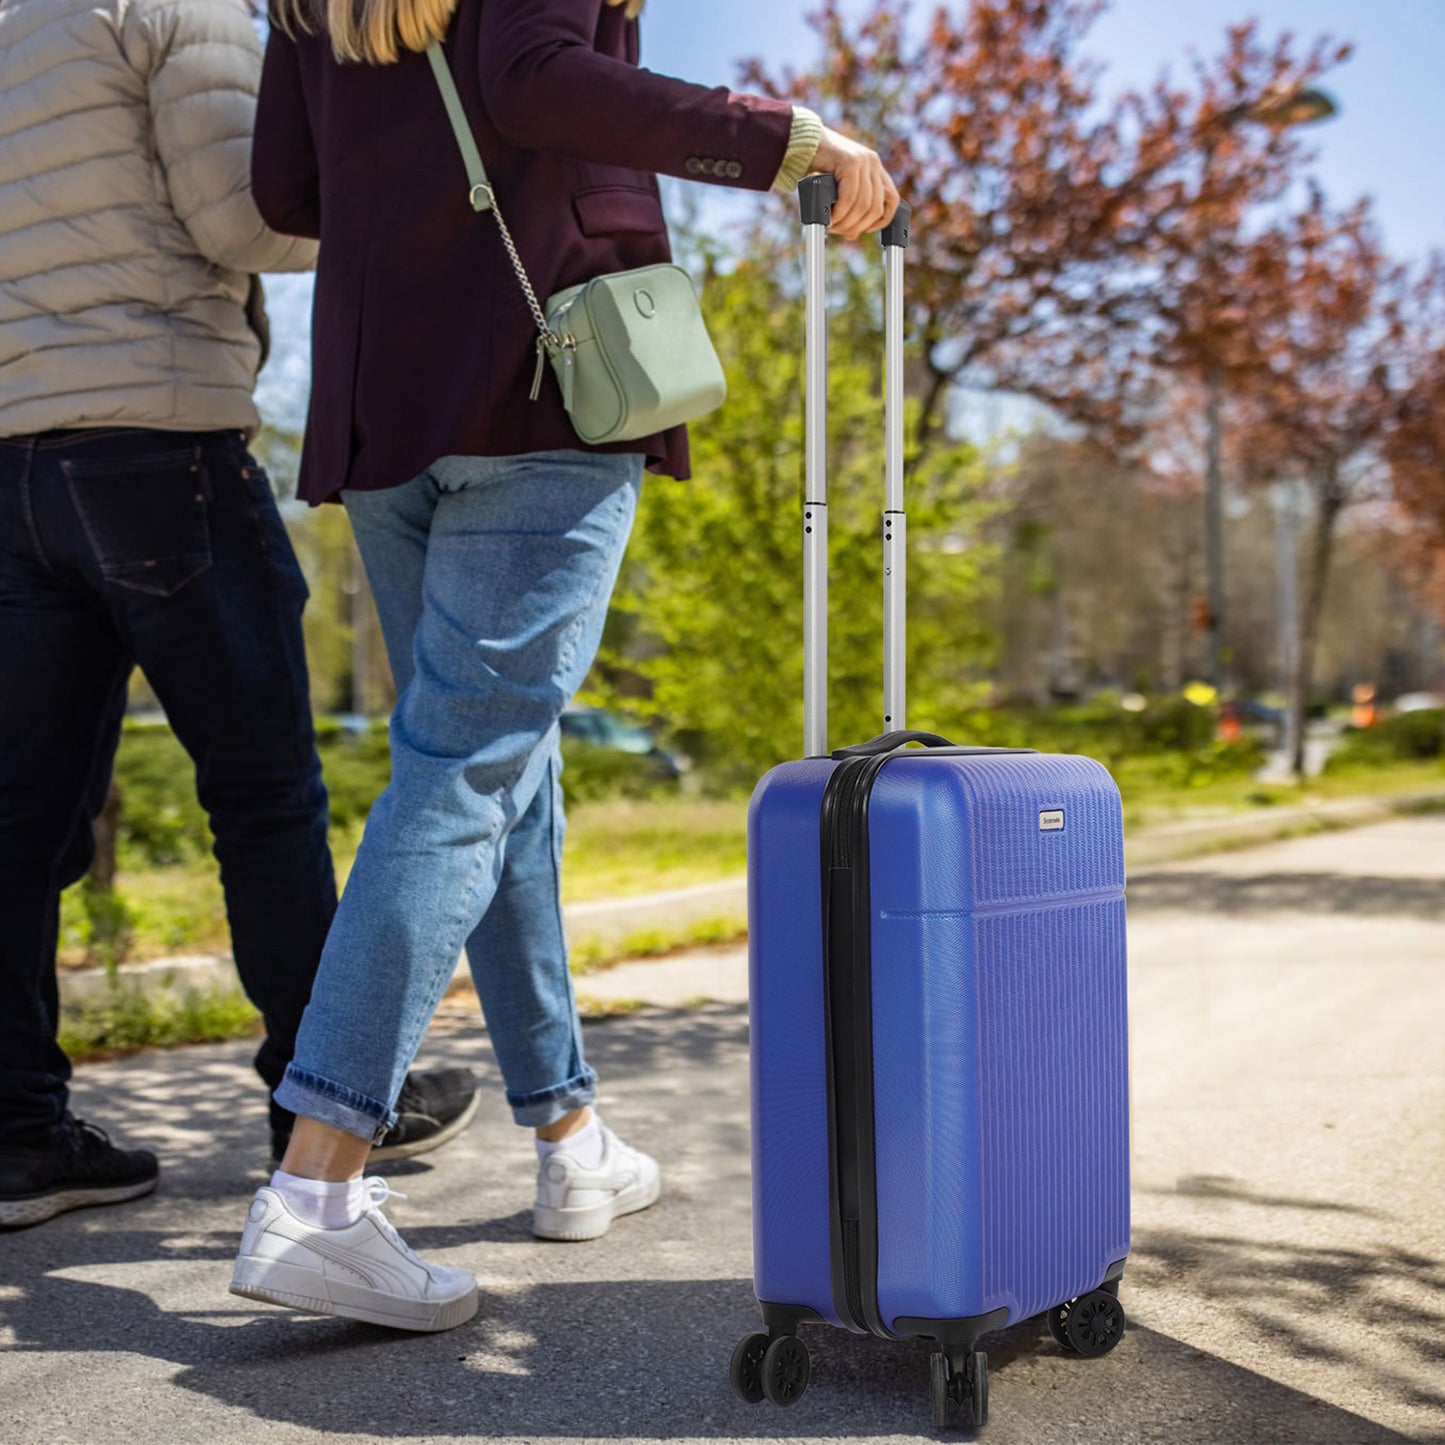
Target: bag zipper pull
[548,346]
[569,371]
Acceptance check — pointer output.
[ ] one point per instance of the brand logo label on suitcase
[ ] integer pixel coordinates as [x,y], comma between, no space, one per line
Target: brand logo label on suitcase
[1051,820]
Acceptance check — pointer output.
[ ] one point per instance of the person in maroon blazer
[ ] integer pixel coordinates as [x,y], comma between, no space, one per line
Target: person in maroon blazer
[492,538]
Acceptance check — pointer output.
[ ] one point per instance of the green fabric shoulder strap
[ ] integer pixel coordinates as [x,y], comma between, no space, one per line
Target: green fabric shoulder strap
[481,188]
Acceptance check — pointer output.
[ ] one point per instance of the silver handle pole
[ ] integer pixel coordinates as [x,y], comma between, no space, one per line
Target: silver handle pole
[895,520]
[817,195]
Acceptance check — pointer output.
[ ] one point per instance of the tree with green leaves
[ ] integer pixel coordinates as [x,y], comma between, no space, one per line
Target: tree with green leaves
[708,615]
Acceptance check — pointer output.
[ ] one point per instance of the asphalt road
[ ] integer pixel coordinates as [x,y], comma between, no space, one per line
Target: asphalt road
[1287,1281]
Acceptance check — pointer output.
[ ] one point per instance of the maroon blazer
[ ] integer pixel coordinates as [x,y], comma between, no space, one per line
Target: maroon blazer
[423,345]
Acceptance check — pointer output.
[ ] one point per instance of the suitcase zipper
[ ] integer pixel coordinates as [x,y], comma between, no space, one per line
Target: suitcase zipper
[852,1286]
[847,968]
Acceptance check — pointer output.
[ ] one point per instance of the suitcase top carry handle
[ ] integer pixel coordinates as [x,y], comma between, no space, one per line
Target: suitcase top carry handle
[887,742]
[817,196]
[898,741]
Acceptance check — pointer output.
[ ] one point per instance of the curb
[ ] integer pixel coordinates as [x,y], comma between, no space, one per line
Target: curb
[612,920]
[203,972]
[607,921]
[1173,842]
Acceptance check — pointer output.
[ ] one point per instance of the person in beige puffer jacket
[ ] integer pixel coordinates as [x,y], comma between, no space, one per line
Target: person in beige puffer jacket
[128,235]
[137,529]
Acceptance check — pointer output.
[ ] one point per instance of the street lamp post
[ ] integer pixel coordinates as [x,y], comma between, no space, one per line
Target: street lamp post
[1285,496]
[1299,107]
[1214,523]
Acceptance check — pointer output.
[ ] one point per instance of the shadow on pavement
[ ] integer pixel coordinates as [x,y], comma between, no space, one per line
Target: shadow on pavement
[633,1359]
[1312,1302]
[1220,1186]
[203,1109]
[1289,893]
[114,1319]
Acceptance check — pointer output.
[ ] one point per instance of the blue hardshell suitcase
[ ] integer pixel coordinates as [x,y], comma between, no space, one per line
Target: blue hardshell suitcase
[939,1041]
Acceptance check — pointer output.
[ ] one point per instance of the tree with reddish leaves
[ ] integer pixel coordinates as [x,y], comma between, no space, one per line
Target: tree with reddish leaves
[1415,448]
[1327,336]
[1103,255]
[1056,238]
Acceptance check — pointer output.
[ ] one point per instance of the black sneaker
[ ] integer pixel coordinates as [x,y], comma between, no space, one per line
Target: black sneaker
[434,1107]
[77,1168]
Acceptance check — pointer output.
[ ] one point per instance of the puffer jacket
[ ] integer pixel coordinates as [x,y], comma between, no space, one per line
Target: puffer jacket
[128,236]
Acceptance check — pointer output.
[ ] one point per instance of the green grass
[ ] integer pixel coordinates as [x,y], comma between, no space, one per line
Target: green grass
[130,1019]
[630,846]
[612,850]
[1148,803]
[592,952]
[172,910]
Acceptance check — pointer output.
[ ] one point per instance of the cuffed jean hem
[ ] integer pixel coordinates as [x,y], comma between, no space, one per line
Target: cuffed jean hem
[546,1106]
[316,1098]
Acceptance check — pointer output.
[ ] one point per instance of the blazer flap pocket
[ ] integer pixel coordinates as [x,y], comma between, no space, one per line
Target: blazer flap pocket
[608,210]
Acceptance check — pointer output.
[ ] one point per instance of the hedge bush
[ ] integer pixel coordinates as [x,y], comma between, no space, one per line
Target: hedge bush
[1406,737]
[162,823]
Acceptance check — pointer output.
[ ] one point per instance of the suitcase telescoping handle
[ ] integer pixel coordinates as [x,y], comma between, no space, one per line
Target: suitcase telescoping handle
[817,195]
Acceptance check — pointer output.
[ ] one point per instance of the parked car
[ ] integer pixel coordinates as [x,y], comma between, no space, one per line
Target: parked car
[597,728]
[1419,701]
[1251,710]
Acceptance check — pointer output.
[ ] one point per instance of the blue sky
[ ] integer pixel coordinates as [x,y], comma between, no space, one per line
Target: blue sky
[1387,140]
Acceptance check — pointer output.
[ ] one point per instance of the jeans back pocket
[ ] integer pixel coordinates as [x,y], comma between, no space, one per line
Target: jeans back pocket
[145,516]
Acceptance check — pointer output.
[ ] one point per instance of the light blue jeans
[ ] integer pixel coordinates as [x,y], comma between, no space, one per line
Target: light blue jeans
[492,577]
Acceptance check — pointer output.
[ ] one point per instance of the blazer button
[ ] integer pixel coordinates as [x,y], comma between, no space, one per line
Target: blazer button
[693,166]
[733,170]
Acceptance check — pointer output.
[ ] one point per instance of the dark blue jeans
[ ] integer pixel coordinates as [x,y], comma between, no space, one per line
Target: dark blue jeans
[163,550]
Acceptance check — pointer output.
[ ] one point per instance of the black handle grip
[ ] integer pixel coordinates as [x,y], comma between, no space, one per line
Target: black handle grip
[817,195]
[895,233]
[889,742]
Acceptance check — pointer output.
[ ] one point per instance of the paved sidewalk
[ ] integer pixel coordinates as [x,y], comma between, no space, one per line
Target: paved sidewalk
[1287,1281]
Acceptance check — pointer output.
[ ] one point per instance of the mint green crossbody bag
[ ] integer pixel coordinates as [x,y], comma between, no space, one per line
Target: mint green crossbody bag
[630,350]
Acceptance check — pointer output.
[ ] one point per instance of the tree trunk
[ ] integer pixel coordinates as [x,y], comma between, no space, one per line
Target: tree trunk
[360,637]
[105,829]
[1179,667]
[1330,502]
[936,388]
[106,912]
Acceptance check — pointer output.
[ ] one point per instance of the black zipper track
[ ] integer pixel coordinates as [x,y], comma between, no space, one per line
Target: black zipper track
[848,1011]
[848,1001]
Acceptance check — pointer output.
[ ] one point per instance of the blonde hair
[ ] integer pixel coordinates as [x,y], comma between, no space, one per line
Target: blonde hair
[377,31]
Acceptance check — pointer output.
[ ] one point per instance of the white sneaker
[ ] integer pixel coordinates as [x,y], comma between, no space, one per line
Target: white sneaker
[574,1203]
[365,1271]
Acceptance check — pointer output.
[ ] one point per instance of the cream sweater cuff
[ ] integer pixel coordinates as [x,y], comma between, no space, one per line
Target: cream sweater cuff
[803,141]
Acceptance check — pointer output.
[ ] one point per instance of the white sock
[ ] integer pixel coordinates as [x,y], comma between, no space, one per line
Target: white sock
[585,1146]
[320,1202]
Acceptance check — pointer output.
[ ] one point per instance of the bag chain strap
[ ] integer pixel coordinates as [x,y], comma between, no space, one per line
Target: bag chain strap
[547,339]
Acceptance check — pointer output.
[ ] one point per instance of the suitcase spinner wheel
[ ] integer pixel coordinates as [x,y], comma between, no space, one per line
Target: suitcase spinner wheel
[776,1369]
[1090,1325]
[962,1381]
[746,1371]
[786,1368]
[773,1369]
